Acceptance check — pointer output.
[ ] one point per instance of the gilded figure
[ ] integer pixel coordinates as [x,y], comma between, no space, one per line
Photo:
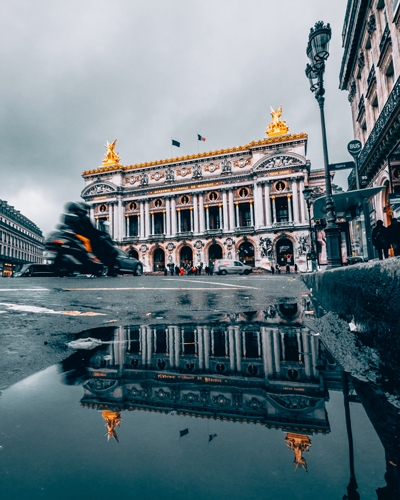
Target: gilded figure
[111,157]
[277,127]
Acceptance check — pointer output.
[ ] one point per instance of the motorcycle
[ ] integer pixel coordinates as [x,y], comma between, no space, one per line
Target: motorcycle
[71,253]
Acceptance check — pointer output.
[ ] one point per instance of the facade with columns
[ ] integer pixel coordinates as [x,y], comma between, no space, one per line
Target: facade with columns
[243,203]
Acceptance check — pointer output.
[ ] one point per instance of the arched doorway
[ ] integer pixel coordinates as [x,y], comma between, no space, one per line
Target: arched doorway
[133,253]
[284,252]
[159,259]
[214,252]
[246,253]
[186,255]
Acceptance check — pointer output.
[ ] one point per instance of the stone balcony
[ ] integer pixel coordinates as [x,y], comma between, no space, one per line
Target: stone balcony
[244,230]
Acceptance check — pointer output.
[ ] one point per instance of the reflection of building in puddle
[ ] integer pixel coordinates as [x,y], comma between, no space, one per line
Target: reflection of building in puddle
[112,418]
[262,373]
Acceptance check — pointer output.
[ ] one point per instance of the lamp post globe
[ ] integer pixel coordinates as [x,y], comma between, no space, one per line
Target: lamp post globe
[318,52]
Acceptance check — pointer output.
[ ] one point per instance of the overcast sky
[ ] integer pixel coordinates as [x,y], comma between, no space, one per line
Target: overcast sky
[78,73]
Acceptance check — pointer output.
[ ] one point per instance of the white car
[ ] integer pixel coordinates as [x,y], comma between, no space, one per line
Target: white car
[225,266]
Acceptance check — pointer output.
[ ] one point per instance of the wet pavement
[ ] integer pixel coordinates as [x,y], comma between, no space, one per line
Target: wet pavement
[190,392]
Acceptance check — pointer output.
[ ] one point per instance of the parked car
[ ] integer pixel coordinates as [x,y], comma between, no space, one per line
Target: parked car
[127,264]
[225,266]
[28,270]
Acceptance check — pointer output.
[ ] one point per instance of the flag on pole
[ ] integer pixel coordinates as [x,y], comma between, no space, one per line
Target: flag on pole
[176,143]
[199,138]
[184,432]
[211,437]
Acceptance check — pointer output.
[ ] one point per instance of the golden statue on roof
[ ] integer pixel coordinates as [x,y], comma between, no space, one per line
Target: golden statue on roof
[111,157]
[298,443]
[112,419]
[277,127]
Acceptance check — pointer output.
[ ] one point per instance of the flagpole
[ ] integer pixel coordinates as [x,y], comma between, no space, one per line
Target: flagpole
[171,147]
[198,152]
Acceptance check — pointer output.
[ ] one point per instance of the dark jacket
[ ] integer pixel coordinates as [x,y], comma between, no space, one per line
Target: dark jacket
[380,237]
[394,232]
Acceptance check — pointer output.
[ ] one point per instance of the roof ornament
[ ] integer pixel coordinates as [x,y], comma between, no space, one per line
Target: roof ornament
[112,419]
[111,157]
[277,127]
[299,443]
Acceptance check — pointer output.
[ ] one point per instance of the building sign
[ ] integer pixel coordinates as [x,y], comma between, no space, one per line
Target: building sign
[190,378]
[281,172]
[195,186]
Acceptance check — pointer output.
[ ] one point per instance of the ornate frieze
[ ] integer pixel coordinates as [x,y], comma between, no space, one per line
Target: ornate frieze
[280,161]
[144,179]
[132,179]
[371,25]
[212,167]
[242,163]
[226,166]
[157,176]
[197,172]
[361,60]
[352,91]
[183,172]
[169,175]
[99,189]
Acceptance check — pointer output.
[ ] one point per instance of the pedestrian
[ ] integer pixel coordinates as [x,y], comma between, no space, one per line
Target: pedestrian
[211,267]
[287,268]
[165,271]
[296,269]
[176,271]
[394,236]
[207,270]
[380,239]
[272,270]
[172,269]
[182,272]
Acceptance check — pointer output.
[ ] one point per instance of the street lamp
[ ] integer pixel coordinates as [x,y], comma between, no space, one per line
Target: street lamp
[307,193]
[318,52]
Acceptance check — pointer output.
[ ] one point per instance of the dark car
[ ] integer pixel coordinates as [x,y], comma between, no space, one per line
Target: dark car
[34,270]
[125,264]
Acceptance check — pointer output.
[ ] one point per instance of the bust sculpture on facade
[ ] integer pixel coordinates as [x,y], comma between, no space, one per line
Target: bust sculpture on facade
[277,127]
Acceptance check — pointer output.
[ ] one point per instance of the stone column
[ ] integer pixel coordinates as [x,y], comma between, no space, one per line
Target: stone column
[220,216]
[195,214]
[147,217]
[141,218]
[237,214]
[231,211]
[207,219]
[283,346]
[201,206]
[225,209]
[251,214]
[313,357]
[268,338]
[168,211]
[238,345]
[121,225]
[171,345]
[200,346]
[127,231]
[273,209]
[177,347]
[295,202]
[267,205]
[149,345]
[231,349]
[111,220]
[179,220]
[303,211]
[277,353]
[173,217]
[258,206]
[191,219]
[152,222]
[143,336]
[164,222]
[306,347]
[206,348]
[289,208]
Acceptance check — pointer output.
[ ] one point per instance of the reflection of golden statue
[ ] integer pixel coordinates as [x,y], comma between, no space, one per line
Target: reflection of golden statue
[111,158]
[112,419]
[277,127]
[298,443]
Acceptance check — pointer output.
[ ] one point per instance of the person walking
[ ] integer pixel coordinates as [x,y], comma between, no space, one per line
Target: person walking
[394,236]
[296,269]
[176,271]
[380,239]
[287,268]
[272,270]
[165,271]
[182,272]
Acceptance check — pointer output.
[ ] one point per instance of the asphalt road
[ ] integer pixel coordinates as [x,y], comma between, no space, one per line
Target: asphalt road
[40,315]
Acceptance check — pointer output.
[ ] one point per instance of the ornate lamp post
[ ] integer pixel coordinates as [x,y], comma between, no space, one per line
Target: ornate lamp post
[318,53]
[307,193]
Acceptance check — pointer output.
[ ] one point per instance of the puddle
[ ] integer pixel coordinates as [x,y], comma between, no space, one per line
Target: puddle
[157,409]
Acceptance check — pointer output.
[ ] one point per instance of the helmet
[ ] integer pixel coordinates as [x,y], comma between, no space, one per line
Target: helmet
[77,208]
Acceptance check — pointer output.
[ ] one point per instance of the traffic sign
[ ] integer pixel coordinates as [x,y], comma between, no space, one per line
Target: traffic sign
[342,166]
[354,148]
[394,198]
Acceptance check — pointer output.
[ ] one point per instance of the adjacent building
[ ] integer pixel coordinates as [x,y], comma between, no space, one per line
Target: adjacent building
[370,73]
[241,203]
[21,241]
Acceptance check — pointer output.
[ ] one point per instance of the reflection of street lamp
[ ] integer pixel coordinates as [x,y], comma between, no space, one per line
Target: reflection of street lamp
[307,193]
[318,53]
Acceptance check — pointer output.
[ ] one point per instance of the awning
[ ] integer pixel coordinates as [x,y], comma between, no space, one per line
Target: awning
[344,201]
